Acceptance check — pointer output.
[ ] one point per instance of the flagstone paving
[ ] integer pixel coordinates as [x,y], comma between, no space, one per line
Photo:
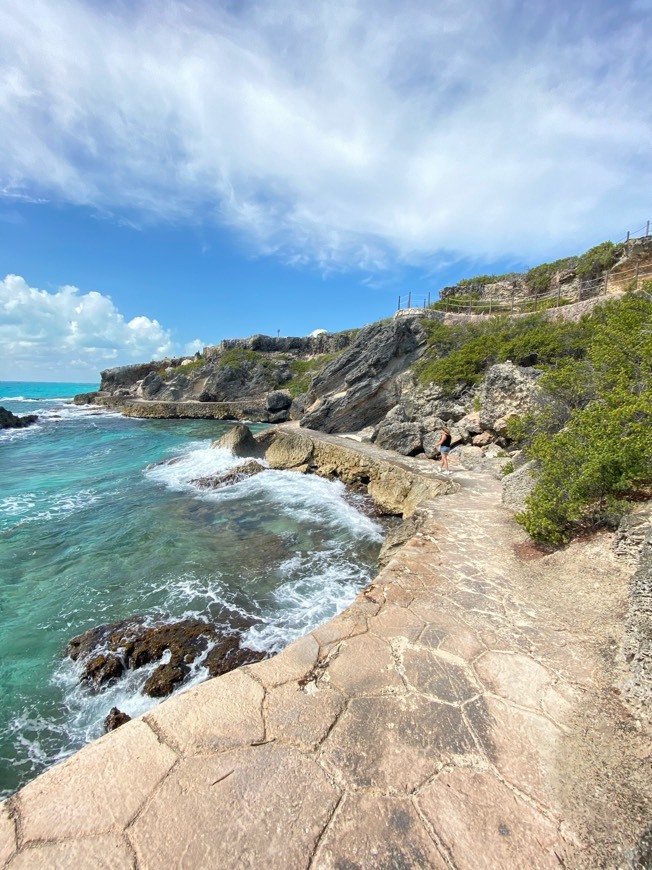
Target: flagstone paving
[459,714]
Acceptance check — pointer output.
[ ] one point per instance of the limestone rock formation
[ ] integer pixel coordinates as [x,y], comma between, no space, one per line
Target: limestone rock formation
[239,441]
[11,421]
[507,390]
[359,387]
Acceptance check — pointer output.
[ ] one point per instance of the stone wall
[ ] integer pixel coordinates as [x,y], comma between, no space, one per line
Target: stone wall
[307,345]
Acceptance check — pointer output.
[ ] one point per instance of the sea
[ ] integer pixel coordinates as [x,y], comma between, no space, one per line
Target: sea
[100,521]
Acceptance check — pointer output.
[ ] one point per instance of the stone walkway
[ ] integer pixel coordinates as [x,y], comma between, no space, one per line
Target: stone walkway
[457,715]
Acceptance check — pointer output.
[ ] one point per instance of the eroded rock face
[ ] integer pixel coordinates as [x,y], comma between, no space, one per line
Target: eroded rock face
[359,387]
[518,485]
[107,651]
[507,390]
[11,421]
[239,441]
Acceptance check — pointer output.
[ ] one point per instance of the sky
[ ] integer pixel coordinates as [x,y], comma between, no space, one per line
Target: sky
[174,173]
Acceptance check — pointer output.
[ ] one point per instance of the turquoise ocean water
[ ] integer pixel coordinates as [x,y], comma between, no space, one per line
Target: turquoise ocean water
[97,524]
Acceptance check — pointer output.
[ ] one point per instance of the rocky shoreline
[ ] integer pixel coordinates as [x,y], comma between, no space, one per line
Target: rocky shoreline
[460,711]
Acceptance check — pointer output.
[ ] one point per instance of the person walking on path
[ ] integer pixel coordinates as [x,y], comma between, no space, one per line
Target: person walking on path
[444,448]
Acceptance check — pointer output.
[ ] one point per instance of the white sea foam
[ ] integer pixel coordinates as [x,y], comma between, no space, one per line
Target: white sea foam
[197,460]
[32,507]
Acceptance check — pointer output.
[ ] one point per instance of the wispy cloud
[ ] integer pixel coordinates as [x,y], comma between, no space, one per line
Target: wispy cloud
[73,334]
[356,133]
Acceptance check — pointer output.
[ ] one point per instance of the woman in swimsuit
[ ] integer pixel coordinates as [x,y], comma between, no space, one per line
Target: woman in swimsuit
[444,448]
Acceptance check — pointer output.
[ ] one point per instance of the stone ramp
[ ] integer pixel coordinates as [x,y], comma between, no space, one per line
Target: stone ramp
[458,714]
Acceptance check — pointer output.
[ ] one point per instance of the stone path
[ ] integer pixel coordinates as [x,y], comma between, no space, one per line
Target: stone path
[458,715]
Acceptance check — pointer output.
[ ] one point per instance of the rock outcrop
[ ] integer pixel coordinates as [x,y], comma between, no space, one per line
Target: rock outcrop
[107,651]
[359,387]
[395,488]
[11,421]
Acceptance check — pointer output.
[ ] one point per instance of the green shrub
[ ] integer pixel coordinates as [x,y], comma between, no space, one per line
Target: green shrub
[592,436]
[304,371]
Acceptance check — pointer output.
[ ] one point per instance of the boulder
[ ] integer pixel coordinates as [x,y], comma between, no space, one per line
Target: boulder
[279,400]
[518,485]
[482,440]
[11,421]
[151,385]
[166,678]
[404,438]
[239,441]
[469,425]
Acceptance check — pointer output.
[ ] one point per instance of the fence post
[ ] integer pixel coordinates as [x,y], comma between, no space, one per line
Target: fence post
[627,239]
[409,305]
[428,298]
[647,229]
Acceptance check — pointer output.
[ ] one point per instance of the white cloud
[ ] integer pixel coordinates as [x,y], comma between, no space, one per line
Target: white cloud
[341,133]
[71,335]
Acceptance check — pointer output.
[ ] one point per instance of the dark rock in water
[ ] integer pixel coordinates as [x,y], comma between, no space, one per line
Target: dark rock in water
[233,475]
[227,654]
[166,678]
[115,719]
[11,421]
[239,441]
[107,651]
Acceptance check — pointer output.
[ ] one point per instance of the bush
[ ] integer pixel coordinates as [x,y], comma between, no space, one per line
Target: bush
[603,451]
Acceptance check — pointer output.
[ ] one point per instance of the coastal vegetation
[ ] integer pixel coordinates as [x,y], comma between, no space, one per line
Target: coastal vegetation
[591,432]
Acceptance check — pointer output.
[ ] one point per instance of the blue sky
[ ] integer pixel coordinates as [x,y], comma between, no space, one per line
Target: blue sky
[176,173]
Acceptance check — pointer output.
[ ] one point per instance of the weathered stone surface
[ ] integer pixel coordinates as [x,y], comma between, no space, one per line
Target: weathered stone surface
[105,852]
[515,677]
[7,834]
[239,441]
[278,401]
[218,714]
[636,646]
[438,676]
[525,745]
[396,622]
[265,807]
[518,485]
[302,715]
[371,830]
[52,806]
[395,743]
[485,825]
[364,664]
[107,650]
[508,389]
[359,388]
[404,438]
[293,663]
